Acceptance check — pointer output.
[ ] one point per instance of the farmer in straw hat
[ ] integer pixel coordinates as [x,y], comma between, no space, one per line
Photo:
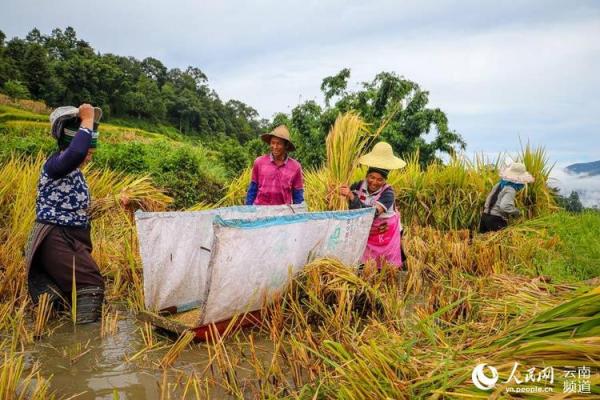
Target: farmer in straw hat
[384,243]
[500,202]
[276,177]
[60,245]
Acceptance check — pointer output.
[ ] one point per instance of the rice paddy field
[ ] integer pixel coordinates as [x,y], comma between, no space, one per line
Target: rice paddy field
[525,301]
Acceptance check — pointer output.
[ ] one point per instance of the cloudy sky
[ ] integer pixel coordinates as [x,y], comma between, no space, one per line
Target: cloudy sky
[502,71]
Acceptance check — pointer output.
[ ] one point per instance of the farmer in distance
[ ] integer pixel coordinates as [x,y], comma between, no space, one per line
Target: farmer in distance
[500,202]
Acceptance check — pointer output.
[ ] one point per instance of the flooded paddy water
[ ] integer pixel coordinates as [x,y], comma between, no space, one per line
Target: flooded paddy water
[83,364]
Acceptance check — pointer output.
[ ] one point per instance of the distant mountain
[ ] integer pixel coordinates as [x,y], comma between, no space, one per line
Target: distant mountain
[591,168]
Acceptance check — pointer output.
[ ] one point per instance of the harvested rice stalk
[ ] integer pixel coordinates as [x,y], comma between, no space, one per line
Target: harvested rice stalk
[345,144]
[180,344]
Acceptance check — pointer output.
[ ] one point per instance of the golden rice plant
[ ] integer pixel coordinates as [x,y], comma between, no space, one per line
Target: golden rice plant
[452,195]
[42,314]
[317,189]
[179,346]
[237,189]
[537,198]
[345,143]
[109,323]
[16,383]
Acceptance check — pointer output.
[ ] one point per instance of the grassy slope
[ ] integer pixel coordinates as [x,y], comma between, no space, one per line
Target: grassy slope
[577,256]
[127,149]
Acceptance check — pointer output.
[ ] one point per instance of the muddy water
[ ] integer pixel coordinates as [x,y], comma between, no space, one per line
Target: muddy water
[83,363]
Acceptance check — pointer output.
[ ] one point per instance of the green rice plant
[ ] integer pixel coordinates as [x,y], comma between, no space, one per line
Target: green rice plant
[563,336]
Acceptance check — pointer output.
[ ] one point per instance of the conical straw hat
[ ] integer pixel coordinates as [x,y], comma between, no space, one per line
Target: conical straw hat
[382,156]
[516,173]
[281,132]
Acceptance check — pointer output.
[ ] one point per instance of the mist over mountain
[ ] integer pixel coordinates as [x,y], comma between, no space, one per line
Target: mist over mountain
[583,178]
[590,168]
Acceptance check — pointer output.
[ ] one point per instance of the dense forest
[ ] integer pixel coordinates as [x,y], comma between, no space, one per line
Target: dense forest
[61,69]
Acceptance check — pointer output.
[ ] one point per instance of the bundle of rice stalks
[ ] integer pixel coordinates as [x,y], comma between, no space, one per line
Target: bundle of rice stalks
[130,192]
[345,143]
[537,198]
[330,295]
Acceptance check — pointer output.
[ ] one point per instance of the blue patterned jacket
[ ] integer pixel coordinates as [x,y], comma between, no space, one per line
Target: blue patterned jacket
[63,196]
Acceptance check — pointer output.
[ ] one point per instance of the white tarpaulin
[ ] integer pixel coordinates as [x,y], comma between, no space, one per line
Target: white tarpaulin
[176,249]
[252,258]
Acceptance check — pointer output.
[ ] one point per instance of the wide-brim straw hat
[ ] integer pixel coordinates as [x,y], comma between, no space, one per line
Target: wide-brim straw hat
[382,156]
[281,132]
[517,173]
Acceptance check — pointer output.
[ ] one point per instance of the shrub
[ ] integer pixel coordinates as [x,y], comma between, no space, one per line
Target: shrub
[126,157]
[181,175]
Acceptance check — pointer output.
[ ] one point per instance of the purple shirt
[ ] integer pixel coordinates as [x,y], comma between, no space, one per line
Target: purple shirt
[276,183]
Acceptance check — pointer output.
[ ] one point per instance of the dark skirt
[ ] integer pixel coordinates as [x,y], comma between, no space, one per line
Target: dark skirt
[491,223]
[61,250]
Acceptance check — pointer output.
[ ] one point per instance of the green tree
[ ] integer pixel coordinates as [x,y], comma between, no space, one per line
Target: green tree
[335,85]
[155,70]
[390,98]
[36,70]
[145,100]
[308,135]
[573,203]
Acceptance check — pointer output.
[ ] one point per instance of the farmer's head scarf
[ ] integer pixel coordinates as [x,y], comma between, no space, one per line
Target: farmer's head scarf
[69,131]
[65,123]
[380,171]
[515,185]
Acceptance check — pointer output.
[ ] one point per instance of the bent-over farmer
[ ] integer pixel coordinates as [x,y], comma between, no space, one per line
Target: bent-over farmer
[500,202]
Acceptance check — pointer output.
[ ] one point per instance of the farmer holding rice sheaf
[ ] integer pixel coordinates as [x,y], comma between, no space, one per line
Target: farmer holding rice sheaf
[500,202]
[276,177]
[60,244]
[384,243]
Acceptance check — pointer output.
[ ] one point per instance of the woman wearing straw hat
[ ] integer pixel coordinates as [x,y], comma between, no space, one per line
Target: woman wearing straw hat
[60,245]
[500,202]
[384,243]
[276,177]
